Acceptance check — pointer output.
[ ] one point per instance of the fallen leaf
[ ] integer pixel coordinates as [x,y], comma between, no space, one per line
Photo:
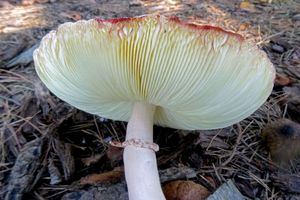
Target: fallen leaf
[106,177]
[244,27]
[114,154]
[71,15]
[27,2]
[31,2]
[91,160]
[245,5]
[282,80]
[185,190]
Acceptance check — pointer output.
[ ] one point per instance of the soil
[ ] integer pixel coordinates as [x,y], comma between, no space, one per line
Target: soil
[50,150]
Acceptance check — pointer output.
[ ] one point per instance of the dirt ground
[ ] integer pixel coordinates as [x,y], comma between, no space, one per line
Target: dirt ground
[50,150]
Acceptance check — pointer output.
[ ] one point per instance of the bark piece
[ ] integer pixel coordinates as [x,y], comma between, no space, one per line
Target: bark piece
[175,173]
[26,170]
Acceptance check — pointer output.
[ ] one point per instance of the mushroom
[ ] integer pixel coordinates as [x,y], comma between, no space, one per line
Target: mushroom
[154,70]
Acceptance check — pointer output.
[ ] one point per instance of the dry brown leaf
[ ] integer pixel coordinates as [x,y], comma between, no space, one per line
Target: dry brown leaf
[185,190]
[27,2]
[106,177]
[245,5]
[244,26]
[114,154]
[31,2]
[282,80]
[91,160]
[71,15]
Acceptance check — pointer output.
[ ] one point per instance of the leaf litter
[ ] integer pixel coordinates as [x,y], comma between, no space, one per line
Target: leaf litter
[48,149]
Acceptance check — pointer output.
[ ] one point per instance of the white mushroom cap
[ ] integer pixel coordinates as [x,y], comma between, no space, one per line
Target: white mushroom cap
[199,77]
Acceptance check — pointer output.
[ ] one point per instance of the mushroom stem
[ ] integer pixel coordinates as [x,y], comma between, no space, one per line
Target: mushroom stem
[140,163]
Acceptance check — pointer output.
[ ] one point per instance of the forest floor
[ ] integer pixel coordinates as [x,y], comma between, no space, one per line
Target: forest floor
[50,150]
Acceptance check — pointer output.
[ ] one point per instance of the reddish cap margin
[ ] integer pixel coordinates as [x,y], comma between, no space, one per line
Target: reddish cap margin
[204,27]
[177,21]
[115,20]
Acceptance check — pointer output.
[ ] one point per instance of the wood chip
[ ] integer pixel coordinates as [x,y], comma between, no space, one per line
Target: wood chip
[26,170]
